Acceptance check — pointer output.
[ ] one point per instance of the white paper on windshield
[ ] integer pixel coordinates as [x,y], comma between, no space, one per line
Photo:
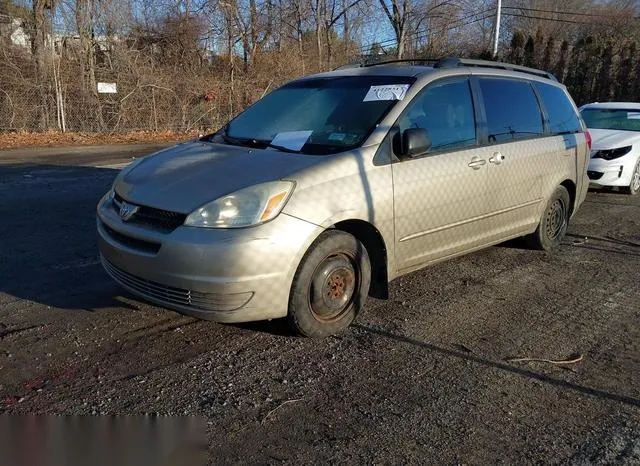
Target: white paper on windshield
[293,140]
[387,92]
[633,115]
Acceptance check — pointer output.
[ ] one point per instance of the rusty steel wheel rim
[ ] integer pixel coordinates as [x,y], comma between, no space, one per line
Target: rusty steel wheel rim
[333,287]
[556,220]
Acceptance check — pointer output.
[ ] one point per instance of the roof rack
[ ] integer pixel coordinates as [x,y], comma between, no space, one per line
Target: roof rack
[365,64]
[422,61]
[452,62]
[462,62]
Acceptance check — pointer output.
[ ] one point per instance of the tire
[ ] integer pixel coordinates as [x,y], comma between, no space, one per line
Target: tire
[634,186]
[554,222]
[330,286]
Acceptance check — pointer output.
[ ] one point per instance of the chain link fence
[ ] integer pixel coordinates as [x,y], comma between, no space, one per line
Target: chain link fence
[28,107]
[148,97]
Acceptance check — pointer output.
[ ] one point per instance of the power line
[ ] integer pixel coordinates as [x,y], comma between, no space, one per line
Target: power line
[421,34]
[426,33]
[418,35]
[561,12]
[542,18]
[459,20]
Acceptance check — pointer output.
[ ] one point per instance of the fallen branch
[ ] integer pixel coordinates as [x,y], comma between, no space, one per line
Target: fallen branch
[278,407]
[561,362]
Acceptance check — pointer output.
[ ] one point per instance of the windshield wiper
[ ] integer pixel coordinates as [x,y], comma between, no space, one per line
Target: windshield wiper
[237,141]
[250,142]
[276,146]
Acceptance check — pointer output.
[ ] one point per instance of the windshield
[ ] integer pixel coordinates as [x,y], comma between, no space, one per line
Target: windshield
[317,116]
[604,118]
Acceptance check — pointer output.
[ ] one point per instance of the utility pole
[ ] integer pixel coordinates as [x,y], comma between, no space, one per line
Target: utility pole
[497,29]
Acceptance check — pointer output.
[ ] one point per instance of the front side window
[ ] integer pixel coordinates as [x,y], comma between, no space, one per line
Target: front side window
[512,110]
[618,119]
[563,118]
[319,115]
[445,110]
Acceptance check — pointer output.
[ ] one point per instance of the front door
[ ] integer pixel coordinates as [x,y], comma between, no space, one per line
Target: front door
[440,196]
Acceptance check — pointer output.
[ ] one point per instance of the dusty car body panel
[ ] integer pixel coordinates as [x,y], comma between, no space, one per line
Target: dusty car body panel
[209,273]
[181,180]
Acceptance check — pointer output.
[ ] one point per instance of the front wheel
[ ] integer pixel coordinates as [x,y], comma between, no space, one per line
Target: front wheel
[634,186]
[330,286]
[554,222]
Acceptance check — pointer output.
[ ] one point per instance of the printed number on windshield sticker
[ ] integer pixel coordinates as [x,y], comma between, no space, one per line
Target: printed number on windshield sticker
[387,92]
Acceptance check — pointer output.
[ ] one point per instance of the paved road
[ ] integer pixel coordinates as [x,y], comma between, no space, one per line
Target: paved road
[421,378]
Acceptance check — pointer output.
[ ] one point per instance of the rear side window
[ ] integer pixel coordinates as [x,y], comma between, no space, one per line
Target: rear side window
[562,116]
[512,110]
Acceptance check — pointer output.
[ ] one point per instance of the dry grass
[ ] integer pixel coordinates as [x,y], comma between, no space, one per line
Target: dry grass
[55,138]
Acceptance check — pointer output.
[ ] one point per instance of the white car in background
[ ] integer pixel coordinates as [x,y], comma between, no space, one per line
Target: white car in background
[615,151]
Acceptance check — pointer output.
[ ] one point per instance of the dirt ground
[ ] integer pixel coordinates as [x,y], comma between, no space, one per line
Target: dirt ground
[422,378]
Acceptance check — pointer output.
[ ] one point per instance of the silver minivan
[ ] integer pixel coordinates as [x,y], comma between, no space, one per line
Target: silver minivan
[334,184]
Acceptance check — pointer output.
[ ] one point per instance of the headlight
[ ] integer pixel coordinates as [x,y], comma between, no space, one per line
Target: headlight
[611,154]
[250,206]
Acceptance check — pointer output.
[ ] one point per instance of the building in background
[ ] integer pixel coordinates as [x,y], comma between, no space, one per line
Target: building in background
[13,30]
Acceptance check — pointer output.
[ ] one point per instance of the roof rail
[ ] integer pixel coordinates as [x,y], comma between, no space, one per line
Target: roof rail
[462,62]
[453,62]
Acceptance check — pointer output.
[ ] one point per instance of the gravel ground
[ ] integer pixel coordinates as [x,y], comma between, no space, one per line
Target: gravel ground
[421,378]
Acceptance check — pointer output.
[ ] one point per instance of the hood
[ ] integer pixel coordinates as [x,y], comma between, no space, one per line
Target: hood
[187,176]
[612,139]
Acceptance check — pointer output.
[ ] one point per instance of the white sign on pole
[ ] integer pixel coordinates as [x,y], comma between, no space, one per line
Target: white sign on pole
[107,88]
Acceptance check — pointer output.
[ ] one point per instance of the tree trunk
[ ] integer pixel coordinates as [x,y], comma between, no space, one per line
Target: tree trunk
[346,31]
[229,25]
[561,67]
[327,35]
[38,49]
[84,22]
[398,18]
[319,23]
[253,29]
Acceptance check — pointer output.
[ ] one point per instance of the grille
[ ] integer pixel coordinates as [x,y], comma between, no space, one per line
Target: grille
[176,297]
[133,243]
[594,175]
[157,218]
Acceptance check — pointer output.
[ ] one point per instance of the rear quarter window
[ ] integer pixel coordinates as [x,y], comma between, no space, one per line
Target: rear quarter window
[562,115]
[512,110]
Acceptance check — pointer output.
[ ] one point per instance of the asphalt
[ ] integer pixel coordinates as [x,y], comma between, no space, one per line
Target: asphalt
[426,377]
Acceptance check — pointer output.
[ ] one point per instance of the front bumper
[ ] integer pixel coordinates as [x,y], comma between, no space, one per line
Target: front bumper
[615,172]
[233,275]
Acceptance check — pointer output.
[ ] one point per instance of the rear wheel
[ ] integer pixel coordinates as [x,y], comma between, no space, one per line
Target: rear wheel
[554,222]
[330,286]
[634,186]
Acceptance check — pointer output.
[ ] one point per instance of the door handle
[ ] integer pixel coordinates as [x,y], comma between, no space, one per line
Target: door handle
[477,163]
[497,158]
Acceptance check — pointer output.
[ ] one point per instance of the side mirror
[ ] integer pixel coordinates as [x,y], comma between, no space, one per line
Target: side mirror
[415,141]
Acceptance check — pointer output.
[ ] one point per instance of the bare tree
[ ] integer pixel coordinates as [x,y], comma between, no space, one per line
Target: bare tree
[38,47]
[398,16]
